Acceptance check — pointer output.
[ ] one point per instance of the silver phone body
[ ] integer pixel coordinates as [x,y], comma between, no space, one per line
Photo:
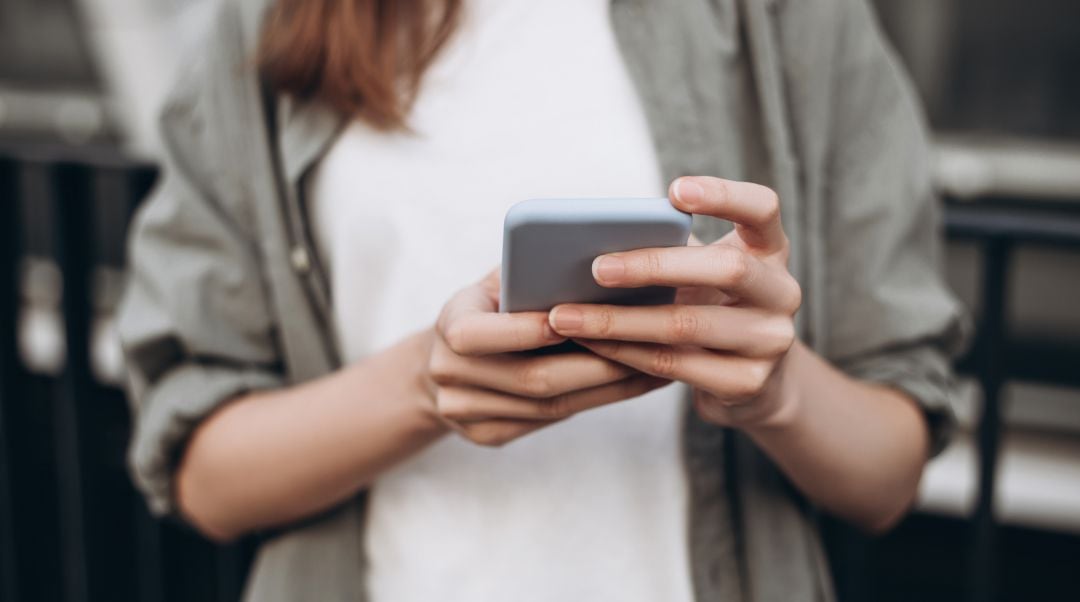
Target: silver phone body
[549,246]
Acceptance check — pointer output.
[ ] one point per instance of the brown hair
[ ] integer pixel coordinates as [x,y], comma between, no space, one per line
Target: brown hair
[364,58]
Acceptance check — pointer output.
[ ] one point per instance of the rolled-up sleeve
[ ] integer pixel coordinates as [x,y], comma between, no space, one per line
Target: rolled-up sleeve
[195,322]
[892,319]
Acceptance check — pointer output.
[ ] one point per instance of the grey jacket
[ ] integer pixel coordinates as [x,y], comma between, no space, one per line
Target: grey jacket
[227,294]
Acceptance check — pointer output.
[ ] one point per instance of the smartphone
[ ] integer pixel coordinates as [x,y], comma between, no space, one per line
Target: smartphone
[549,246]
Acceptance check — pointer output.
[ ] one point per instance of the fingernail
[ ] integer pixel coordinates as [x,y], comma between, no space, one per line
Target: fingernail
[608,268]
[567,318]
[687,190]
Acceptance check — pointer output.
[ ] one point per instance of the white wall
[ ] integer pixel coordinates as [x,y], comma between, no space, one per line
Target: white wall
[138,45]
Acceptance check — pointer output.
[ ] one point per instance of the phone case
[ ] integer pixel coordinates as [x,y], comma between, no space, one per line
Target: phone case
[549,246]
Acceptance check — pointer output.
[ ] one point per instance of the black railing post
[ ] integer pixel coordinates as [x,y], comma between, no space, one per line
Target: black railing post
[991,372]
[854,549]
[148,540]
[9,369]
[71,199]
[229,567]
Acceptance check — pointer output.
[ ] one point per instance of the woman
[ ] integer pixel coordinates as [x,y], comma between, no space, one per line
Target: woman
[310,362]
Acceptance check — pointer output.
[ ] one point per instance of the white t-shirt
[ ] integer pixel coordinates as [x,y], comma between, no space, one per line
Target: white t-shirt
[530,99]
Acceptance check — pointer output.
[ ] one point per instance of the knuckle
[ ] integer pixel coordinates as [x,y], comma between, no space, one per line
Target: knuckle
[441,322]
[651,265]
[526,335]
[480,435]
[603,322]
[794,302]
[556,408]
[718,191]
[685,324]
[664,362]
[450,406]
[734,263]
[786,336]
[618,350]
[491,282]
[753,381]
[456,336]
[446,315]
[741,391]
[778,335]
[440,365]
[489,435]
[535,380]
[771,208]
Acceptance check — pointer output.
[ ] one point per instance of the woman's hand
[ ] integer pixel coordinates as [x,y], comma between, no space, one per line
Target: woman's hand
[482,387]
[733,325]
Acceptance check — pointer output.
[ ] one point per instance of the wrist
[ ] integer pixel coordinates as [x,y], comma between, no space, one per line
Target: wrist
[403,375]
[424,390]
[784,399]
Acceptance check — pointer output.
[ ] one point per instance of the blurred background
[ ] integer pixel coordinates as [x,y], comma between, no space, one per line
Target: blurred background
[999,512]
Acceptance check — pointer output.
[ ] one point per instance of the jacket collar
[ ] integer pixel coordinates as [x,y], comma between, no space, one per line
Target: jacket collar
[304,130]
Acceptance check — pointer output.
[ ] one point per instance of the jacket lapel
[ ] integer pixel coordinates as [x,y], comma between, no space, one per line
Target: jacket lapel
[305,132]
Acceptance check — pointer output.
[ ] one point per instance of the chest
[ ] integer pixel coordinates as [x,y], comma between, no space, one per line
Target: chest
[528,100]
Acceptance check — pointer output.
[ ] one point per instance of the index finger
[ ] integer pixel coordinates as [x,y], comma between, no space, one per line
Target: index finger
[754,209]
[471,325]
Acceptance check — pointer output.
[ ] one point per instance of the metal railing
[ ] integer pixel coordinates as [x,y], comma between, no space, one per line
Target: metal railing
[73,529]
[1001,226]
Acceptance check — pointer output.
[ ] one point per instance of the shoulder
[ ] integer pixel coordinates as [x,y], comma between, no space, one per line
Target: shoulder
[249,15]
[219,76]
[214,115]
[823,45]
[822,23]
[812,12]
[236,23]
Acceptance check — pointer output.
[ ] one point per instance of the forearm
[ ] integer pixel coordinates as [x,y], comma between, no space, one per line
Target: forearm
[854,448]
[270,458]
